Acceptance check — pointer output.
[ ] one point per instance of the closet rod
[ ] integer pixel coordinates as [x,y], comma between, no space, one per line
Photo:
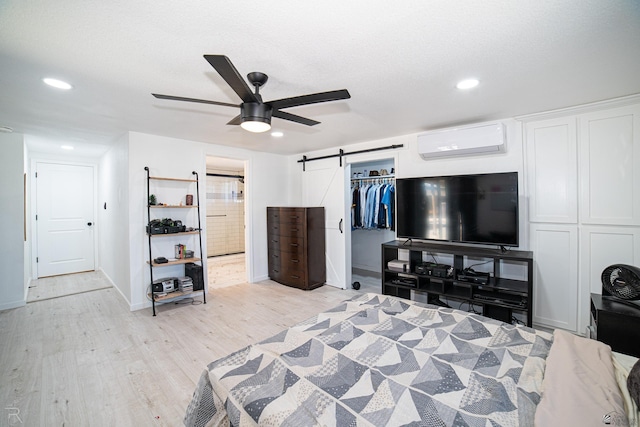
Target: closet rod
[304,159]
[225,176]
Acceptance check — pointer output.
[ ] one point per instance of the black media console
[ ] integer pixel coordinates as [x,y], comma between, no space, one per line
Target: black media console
[497,297]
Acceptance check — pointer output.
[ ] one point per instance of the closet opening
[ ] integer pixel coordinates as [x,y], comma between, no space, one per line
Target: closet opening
[372,220]
[225,222]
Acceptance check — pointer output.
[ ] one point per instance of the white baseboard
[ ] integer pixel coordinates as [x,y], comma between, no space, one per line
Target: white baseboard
[260,278]
[115,286]
[13,304]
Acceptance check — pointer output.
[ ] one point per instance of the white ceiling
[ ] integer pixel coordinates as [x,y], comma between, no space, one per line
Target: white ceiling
[399,60]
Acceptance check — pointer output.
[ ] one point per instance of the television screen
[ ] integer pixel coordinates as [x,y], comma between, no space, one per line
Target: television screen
[464,208]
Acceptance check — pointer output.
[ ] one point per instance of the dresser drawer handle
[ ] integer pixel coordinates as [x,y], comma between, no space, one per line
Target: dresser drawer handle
[276,256]
[275,241]
[295,277]
[276,271]
[294,244]
[295,260]
[294,229]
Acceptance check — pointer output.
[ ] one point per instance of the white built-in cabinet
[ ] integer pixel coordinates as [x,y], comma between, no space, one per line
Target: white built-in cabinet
[584,206]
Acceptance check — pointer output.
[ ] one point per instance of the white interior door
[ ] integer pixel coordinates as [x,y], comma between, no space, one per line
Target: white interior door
[324,183]
[64,225]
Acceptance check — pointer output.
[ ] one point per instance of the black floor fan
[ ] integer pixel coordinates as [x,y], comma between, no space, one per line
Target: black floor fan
[621,283]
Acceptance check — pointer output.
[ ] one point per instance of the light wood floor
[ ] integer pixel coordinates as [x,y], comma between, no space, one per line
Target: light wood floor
[69,284]
[86,360]
[227,270]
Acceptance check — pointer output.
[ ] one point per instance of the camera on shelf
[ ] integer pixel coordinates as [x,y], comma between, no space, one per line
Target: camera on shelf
[165,226]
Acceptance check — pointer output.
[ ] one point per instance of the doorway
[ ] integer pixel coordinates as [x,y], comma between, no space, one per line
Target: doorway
[64,218]
[372,224]
[225,208]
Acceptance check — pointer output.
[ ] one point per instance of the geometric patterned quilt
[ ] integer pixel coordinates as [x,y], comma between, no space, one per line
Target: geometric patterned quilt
[377,360]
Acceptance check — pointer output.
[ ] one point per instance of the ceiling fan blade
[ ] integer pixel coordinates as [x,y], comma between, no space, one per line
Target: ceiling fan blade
[201,101]
[236,120]
[293,118]
[314,98]
[228,72]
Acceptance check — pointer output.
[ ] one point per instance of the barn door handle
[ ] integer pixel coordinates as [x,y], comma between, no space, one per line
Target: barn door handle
[340,226]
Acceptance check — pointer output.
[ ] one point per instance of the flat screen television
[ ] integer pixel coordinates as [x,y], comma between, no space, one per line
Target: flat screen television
[480,209]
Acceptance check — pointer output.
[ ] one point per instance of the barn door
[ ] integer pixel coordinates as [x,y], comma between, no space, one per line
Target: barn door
[325,183]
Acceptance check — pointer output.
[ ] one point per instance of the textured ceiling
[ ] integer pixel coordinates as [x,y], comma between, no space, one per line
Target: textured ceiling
[399,60]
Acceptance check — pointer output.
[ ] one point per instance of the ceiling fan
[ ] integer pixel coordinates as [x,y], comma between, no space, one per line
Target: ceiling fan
[255,115]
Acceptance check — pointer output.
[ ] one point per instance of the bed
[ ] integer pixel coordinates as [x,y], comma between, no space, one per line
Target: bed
[378,360]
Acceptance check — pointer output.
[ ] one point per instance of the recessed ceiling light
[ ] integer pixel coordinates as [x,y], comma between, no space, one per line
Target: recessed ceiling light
[277,134]
[6,129]
[66,147]
[59,84]
[467,84]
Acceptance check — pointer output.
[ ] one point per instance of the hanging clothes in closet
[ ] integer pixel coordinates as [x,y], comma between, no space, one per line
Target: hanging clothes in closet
[373,204]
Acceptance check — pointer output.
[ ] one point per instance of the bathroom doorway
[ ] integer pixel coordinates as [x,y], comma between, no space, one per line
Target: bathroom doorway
[225,209]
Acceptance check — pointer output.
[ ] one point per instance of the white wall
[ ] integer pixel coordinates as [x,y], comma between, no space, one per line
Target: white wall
[27,243]
[409,164]
[13,248]
[112,220]
[266,182]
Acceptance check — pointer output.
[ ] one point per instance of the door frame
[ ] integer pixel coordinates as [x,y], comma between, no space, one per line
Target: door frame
[361,158]
[33,186]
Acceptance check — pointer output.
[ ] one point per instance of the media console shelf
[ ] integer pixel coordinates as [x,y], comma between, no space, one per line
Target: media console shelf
[499,298]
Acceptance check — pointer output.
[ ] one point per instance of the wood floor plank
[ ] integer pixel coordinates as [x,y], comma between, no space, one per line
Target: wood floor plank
[85,359]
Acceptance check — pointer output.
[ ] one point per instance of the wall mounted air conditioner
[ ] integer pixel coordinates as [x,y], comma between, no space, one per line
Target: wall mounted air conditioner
[479,138]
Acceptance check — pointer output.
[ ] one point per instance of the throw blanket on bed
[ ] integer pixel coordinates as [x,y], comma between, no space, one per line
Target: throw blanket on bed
[377,360]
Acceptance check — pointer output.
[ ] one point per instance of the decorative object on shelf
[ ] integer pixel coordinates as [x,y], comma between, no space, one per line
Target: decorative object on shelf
[180,251]
[189,199]
[152,199]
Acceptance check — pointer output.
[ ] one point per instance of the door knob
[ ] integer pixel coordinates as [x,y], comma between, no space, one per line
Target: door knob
[89,224]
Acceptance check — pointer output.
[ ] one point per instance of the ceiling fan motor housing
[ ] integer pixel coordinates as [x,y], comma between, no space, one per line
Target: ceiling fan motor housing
[621,281]
[255,112]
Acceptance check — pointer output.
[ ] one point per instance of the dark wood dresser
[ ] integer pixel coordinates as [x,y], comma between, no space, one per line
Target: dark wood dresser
[296,246]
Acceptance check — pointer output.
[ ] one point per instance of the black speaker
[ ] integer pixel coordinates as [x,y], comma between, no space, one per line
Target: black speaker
[194,271]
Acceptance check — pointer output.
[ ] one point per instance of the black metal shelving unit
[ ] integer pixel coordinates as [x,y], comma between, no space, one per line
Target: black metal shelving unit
[176,295]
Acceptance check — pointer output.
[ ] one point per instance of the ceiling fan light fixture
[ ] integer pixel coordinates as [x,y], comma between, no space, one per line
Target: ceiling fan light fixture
[255,126]
[256,117]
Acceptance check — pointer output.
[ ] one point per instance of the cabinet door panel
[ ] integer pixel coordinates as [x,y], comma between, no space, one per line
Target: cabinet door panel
[552,170]
[609,159]
[601,247]
[555,279]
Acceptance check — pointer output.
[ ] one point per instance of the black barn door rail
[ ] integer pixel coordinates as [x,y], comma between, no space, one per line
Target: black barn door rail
[341,154]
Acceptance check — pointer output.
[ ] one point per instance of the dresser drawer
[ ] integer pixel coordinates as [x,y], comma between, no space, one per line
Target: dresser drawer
[292,230]
[293,278]
[291,216]
[289,244]
[275,274]
[293,262]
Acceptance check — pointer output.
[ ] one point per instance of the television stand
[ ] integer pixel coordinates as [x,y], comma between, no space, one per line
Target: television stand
[495,296]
